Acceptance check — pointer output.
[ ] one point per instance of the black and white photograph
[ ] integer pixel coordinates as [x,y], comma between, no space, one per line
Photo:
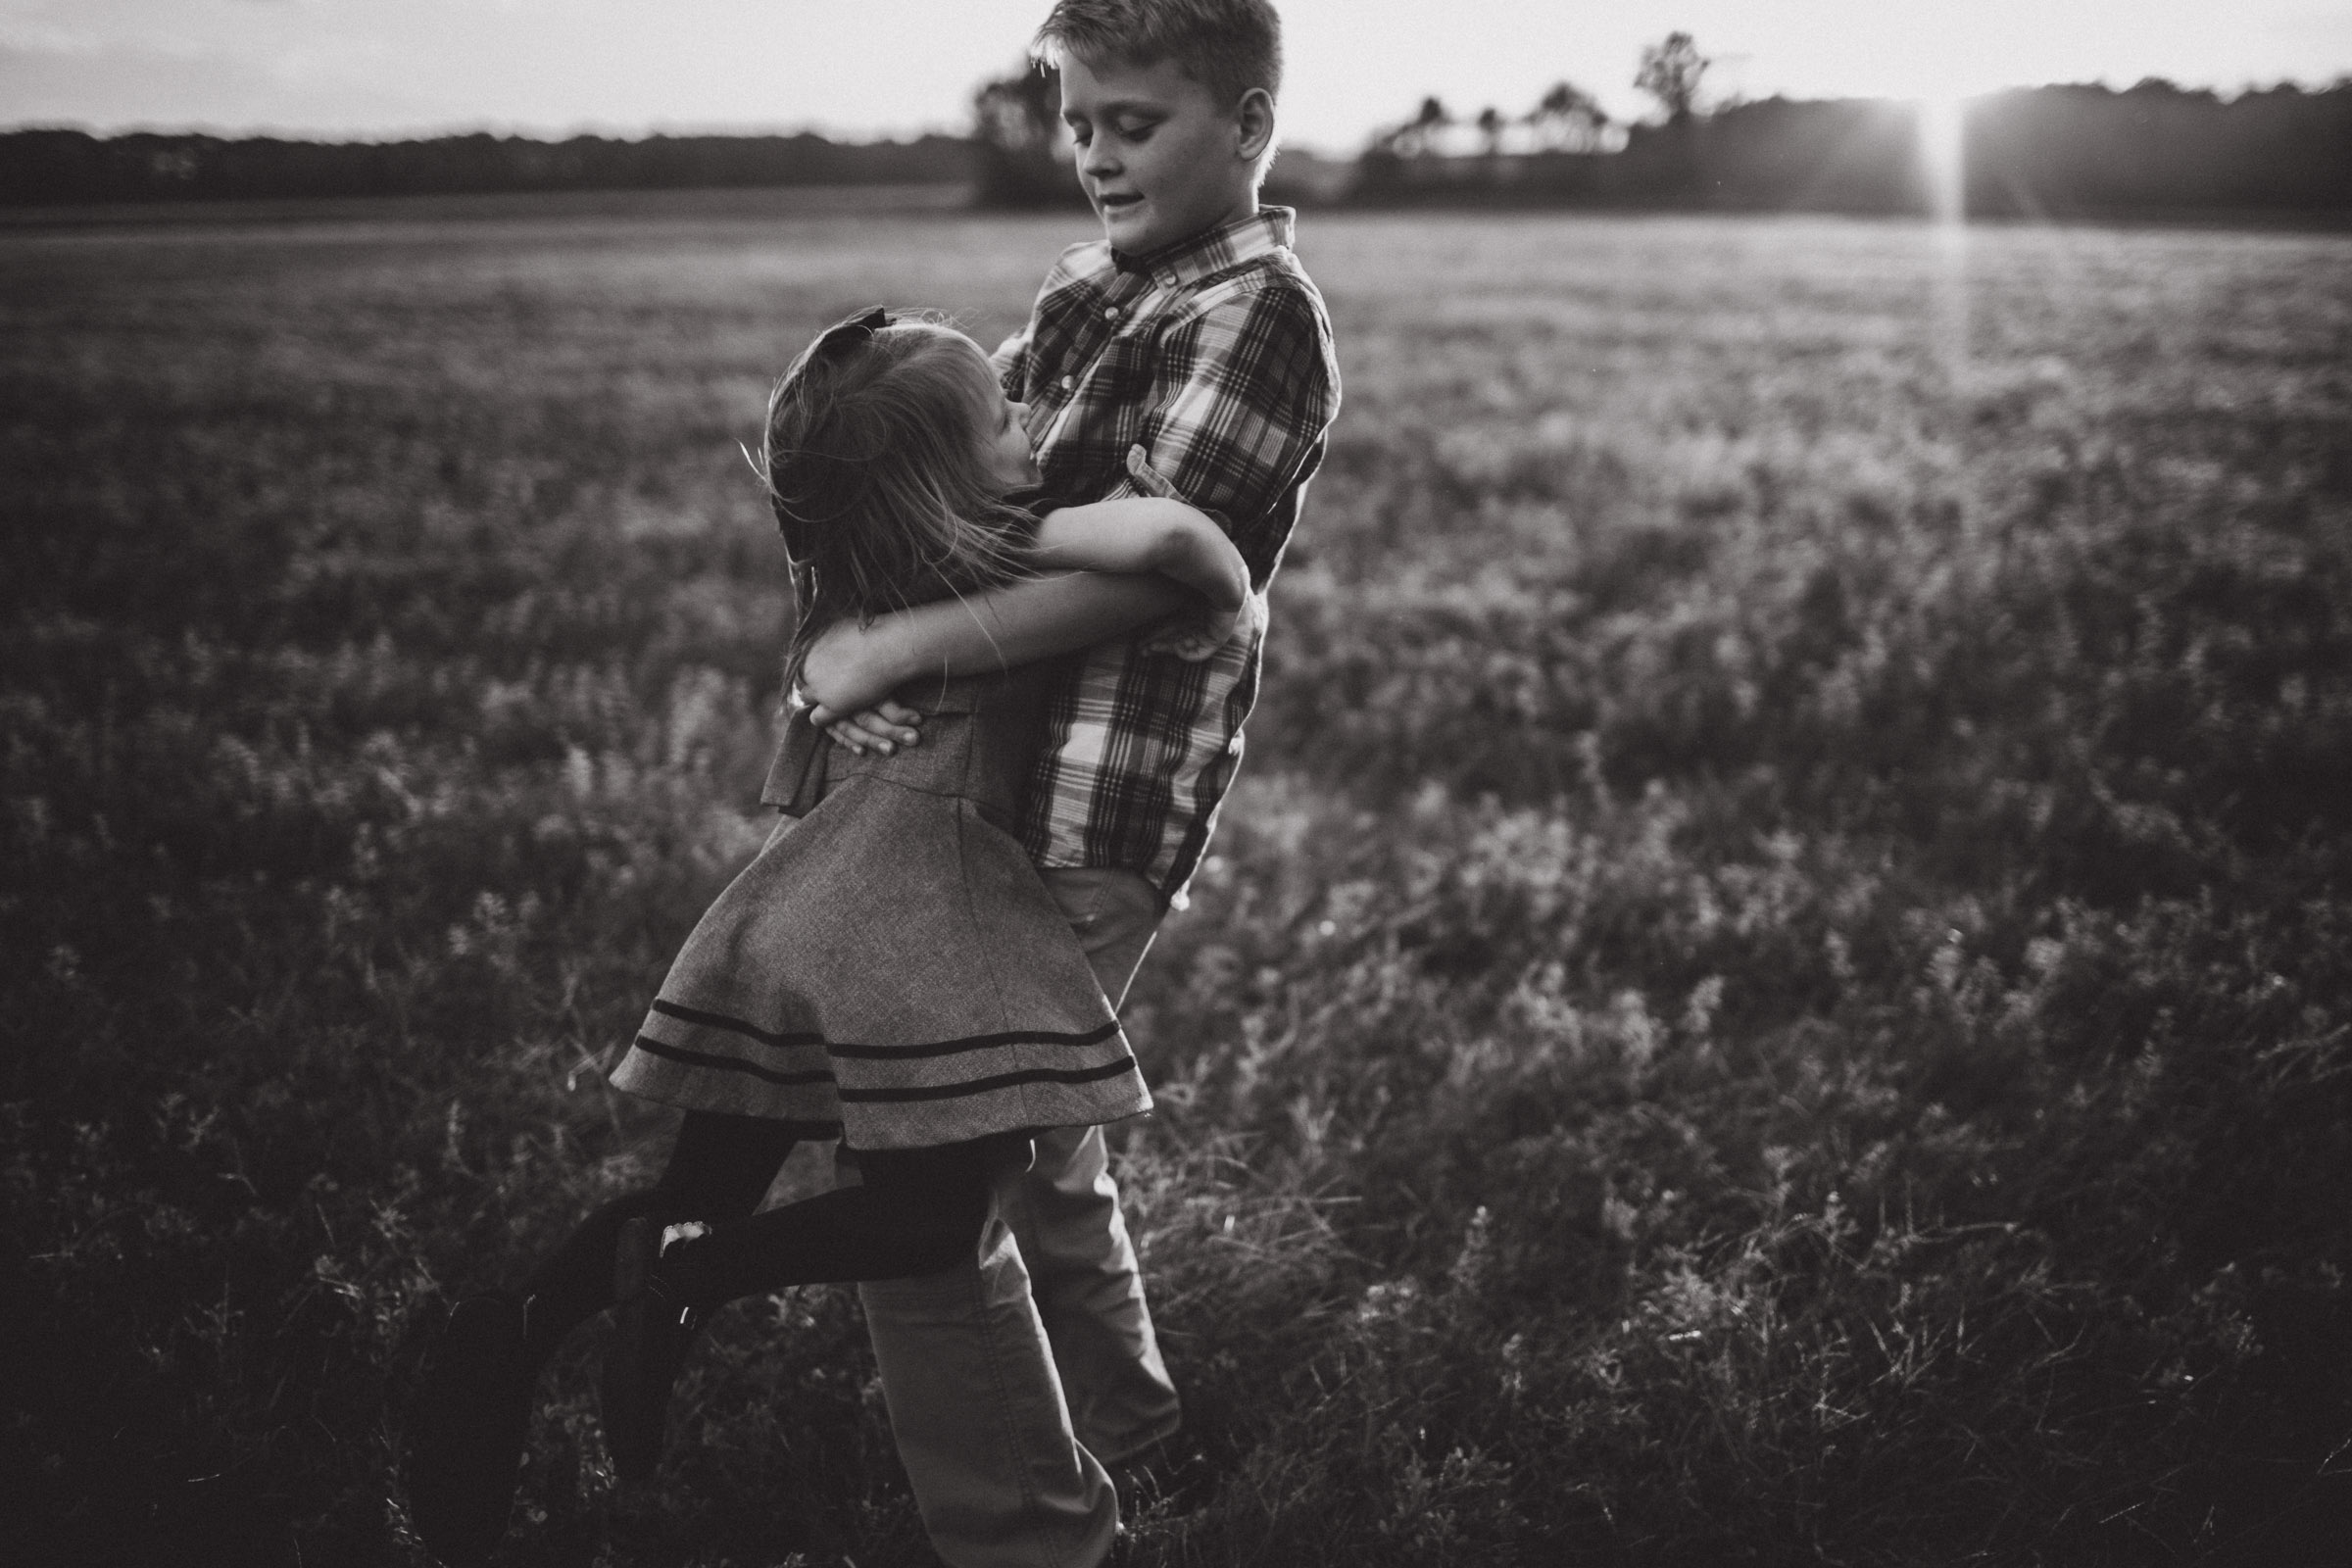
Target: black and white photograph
[1175,784]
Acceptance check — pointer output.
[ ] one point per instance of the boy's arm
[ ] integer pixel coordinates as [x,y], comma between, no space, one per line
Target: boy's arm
[852,668]
[1240,398]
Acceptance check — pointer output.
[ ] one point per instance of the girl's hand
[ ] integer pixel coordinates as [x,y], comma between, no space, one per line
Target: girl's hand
[1149,480]
[881,729]
[845,680]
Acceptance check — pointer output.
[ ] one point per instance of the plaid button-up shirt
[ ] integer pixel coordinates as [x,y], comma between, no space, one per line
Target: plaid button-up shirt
[1215,358]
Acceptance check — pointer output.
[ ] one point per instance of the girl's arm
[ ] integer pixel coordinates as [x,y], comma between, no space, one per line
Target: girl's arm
[850,667]
[1147,533]
[1139,556]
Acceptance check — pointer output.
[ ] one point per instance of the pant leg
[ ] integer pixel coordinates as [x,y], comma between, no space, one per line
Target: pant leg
[976,1400]
[1065,1213]
[979,1418]
[1090,1297]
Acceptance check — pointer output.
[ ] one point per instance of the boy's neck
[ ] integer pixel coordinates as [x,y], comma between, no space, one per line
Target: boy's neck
[1244,206]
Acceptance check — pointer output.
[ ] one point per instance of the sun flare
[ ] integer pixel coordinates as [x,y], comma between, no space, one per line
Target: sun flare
[1939,146]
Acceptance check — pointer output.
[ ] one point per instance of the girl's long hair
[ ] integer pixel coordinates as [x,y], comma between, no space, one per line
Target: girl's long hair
[876,472]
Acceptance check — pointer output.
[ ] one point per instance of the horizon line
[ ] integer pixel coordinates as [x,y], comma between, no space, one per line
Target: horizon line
[648,131]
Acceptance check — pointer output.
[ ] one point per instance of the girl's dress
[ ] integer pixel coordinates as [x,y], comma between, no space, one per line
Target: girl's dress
[890,969]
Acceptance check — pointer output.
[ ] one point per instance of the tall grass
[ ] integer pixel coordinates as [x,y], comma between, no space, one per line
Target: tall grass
[1775,989]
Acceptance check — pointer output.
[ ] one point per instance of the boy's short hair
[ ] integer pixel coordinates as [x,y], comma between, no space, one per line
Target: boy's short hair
[1228,46]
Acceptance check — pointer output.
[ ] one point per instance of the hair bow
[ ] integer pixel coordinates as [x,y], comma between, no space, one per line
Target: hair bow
[841,336]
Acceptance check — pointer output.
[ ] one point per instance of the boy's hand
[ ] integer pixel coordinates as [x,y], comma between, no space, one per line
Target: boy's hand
[1194,638]
[879,728]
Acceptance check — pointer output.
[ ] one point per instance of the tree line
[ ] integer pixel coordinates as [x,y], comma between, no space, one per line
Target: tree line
[66,166]
[2028,152]
[2044,151]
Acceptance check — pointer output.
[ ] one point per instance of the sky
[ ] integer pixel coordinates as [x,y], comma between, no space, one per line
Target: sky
[863,67]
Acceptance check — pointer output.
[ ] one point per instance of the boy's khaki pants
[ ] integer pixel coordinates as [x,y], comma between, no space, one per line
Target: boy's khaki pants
[1010,1382]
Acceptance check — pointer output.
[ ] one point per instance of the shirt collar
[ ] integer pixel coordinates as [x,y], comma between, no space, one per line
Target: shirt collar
[1261,233]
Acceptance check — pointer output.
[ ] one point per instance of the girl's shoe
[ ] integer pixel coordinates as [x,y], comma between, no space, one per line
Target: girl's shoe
[462,1445]
[651,1329]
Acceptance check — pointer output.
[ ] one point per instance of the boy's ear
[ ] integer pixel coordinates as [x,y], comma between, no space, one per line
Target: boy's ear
[1253,124]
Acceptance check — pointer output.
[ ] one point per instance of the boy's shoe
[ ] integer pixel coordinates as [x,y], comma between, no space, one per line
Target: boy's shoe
[652,1326]
[1172,1475]
[462,1446]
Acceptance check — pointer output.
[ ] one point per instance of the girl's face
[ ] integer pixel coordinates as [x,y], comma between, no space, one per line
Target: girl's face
[1004,436]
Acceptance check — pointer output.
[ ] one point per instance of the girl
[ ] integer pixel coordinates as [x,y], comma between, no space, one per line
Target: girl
[888,970]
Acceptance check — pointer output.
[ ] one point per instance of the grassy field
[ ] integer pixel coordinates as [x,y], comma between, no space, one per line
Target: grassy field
[1776,989]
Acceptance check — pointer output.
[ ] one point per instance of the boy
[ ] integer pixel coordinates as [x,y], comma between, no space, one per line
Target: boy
[1190,333]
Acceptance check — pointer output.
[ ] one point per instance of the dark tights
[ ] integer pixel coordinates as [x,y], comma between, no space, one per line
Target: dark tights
[918,1212]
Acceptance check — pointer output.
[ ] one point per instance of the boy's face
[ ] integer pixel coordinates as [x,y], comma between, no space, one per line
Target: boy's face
[1161,160]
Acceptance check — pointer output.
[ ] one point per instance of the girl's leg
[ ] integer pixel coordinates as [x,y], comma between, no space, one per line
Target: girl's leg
[719,1169]
[916,1212]
[464,1436]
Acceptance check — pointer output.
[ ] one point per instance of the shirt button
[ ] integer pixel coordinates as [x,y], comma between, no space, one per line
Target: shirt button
[1110,313]
[1069,382]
